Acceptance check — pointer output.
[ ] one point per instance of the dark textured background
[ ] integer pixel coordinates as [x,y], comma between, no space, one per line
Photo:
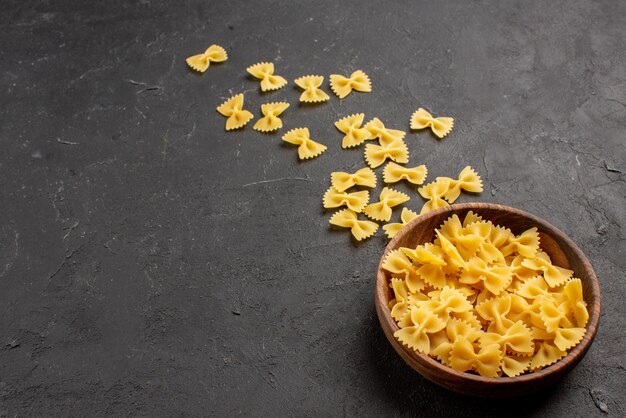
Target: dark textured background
[153,264]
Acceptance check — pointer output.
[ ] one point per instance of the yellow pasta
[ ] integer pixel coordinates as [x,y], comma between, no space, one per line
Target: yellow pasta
[434,193]
[342,86]
[354,134]
[341,181]
[376,155]
[270,120]
[233,110]
[307,148]
[394,173]
[468,180]
[386,136]
[440,126]
[354,201]
[265,72]
[484,300]
[201,62]
[311,85]
[381,210]
[348,219]
[406,216]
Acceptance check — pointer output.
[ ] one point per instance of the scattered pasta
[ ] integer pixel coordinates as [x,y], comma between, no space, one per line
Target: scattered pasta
[265,72]
[342,86]
[270,120]
[348,219]
[342,181]
[307,148]
[201,62]
[385,135]
[394,173]
[354,134]
[481,299]
[376,155]
[233,110]
[468,180]
[355,201]
[440,126]
[434,193]
[406,216]
[312,92]
[381,210]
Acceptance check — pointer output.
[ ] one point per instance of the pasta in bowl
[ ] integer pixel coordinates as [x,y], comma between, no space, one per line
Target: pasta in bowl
[487,300]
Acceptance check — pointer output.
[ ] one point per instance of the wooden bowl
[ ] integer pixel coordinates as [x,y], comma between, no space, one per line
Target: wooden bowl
[559,247]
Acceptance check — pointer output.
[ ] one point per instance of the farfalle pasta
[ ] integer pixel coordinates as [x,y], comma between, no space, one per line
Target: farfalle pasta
[354,134]
[265,72]
[232,108]
[270,120]
[468,180]
[360,229]
[307,148]
[394,173]
[440,126]
[201,62]
[312,92]
[406,216]
[376,155]
[482,299]
[381,210]
[434,193]
[385,135]
[355,201]
[341,181]
[343,86]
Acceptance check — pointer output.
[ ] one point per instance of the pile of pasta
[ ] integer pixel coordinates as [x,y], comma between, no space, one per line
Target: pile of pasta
[482,299]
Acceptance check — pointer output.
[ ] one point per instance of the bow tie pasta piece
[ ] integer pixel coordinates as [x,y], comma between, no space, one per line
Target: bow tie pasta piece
[415,336]
[495,311]
[546,355]
[553,275]
[233,110]
[385,135]
[486,362]
[566,338]
[515,365]
[552,314]
[265,72]
[270,120]
[453,257]
[447,301]
[376,155]
[494,278]
[354,134]
[471,218]
[467,244]
[516,338]
[573,290]
[426,254]
[341,181]
[440,126]
[354,201]
[406,216]
[397,263]
[468,180]
[526,244]
[342,86]
[434,192]
[348,219]
[201,62]
[307,148]
[311,85]
[394,173]
[381,210]
[533,288]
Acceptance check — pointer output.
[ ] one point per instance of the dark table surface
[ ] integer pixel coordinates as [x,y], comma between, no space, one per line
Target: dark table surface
[153,264]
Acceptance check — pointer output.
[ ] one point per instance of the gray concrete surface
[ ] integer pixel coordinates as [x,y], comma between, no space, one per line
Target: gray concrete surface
[152,264]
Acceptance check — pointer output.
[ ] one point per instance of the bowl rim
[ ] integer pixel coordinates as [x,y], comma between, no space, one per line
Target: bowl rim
[572,357]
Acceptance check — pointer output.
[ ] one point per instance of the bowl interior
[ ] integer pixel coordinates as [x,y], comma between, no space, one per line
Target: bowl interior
[563,253]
